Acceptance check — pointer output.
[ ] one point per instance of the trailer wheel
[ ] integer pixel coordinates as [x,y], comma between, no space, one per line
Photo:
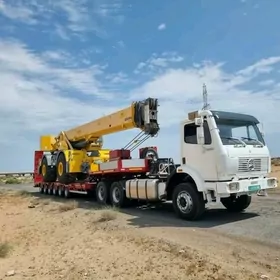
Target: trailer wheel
[48,172]
[67,193]
[117,194]
[45,190]
[236,204]
[54,191]
[188,203]
[60,191]
[41,189]
[62,175]
[102,192]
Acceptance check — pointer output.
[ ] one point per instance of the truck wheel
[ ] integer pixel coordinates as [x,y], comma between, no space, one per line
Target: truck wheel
[62,175]
[237,204]
[117,194]
[48,172]
[102,192]
[188,203]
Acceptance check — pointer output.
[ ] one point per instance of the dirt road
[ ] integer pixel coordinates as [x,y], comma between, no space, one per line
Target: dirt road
[58,239]
[261,221]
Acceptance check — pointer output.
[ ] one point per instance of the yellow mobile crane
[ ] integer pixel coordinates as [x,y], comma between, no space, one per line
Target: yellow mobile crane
[75,153]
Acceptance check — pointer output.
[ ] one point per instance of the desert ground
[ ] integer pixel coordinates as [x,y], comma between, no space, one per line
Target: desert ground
[43,237]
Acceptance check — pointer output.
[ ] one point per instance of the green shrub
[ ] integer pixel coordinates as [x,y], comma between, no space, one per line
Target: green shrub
[13,181]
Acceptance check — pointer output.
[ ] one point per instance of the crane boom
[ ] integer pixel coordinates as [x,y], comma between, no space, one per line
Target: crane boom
[140,114]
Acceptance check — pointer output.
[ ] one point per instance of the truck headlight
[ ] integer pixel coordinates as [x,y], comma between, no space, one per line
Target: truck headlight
[272,182]
[233,186]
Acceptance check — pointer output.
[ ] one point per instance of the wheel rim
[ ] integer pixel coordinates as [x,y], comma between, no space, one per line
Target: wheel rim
[59,191]
[66,192]
[60,169]
[44,170]
[101,193]
[184,202]
[116,195]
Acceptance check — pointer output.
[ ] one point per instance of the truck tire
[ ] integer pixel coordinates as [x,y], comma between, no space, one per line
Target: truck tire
[62,175]
[187,202]
[102,192]
[67,193]
[117,195]
[60,191]
[236,204]
[41,188]
[48,172]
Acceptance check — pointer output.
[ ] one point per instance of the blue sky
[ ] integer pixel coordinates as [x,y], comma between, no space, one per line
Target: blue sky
[66,62]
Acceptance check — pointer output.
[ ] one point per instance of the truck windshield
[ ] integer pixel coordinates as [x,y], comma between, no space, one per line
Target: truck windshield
[234,132]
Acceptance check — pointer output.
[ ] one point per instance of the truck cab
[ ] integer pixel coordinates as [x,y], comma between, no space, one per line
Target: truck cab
[225,154]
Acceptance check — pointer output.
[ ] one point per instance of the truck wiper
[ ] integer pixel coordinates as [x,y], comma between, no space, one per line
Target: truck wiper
[233,138]
[253,139]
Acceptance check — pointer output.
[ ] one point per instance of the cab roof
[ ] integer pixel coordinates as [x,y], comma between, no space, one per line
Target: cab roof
[234,116]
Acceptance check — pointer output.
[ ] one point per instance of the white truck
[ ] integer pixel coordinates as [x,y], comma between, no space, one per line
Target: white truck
[224,159]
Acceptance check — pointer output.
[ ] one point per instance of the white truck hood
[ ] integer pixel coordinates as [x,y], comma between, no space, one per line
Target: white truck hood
[245,161]
[249,151]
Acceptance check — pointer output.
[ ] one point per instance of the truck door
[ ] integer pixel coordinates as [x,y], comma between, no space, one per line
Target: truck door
[199,157]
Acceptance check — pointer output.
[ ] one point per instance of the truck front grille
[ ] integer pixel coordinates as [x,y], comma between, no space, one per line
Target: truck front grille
[253,164]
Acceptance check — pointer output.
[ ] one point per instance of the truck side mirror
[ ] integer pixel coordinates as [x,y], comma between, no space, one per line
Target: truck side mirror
[200,135]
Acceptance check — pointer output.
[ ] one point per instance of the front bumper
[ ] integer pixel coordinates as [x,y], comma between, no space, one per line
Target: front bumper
[246,186]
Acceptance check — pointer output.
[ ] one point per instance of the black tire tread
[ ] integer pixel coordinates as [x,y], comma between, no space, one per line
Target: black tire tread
[107,185]
[238,205]
[198,202]
[123,200]
[51,172]
[65,178]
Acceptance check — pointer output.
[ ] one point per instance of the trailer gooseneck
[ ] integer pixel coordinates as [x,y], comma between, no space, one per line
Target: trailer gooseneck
[224,159]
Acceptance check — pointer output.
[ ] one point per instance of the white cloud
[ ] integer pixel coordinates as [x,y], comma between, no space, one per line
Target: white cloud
[262,66]
[56,55]
[18,12]
[162,26]
[182,89]
[61,32]
[266,83]
[158,62]
[89,16]
[39,97]
[15,58]
[66,18]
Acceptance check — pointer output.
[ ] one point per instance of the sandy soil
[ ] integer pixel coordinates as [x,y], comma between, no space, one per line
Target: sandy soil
[44,239]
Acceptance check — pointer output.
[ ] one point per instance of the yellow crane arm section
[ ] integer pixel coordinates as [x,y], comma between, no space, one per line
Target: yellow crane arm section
[140,114]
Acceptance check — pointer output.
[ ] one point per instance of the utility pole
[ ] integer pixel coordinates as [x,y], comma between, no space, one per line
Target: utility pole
[206,105]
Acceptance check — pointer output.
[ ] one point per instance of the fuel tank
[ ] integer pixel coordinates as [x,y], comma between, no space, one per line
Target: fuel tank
[144,189]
